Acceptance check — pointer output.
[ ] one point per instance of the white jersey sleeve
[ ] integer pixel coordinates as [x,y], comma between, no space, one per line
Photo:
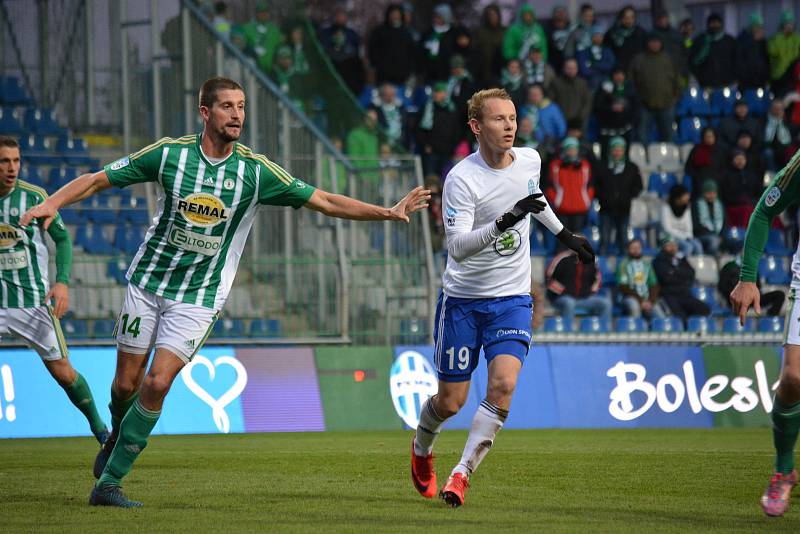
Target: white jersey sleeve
[462,240]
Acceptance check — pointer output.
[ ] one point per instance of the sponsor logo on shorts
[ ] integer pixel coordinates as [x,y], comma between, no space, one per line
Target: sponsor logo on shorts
[503,332]
[120,163]
[508,243]
[12,261]
[772,196]
[9,236]
[207,245]
[203,209]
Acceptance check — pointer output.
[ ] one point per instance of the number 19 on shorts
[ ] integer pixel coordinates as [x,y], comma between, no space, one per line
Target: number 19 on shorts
[462,361]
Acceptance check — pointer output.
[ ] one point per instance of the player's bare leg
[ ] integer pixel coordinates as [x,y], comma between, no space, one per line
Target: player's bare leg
[785,427]
[451,396]
[124,391]
[135,428]
[488,420]
[77,389]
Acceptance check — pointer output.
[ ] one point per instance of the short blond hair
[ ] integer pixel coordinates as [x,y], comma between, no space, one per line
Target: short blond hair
[475,103]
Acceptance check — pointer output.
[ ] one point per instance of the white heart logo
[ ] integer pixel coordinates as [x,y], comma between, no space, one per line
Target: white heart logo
[221,418]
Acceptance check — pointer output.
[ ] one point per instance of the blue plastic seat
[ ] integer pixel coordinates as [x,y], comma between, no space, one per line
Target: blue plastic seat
[227,327]
[707,295]
[690,130]
[537,242]
[73,150]
[61,176]
[594,213]
[608,274]
[770,324]
[116,269]
[75,328]
[31,174]
[693,102]
[42,121]
[758,101]
[103,328]
[71,216]
[631,325]
[592,234]
[776,243]
[594,325]
[734,238]
[774,270]
[699,323]
[666,324]
[661,182]
[10,123]
[730,325]
[12,93]
[556,324]
[92,239]
[265,328]
[722,101]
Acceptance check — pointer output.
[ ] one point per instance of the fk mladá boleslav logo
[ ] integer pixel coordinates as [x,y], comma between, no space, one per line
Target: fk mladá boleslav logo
[202,209]
[411,382]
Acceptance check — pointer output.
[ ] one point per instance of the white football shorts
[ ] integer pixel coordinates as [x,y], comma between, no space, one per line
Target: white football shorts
[38,327]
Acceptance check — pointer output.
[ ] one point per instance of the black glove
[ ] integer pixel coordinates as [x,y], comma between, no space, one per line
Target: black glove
[521,209]
[578,243]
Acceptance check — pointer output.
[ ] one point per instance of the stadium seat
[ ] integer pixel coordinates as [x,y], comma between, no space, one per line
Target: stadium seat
[685,149]
[99,210]
[127,239]
[42,121]
[638,217]
[538,247]
[758,101]
[556,324]
[641,234]
[705,269]
[666,324]
[690,129]
[12,93]
[768,176]
[770,324]
[594,325]
[73,150]
[60,176]
[606,271]
[722,101]
[413,330]
[694,102]
[74,328]
[699,323]
[776,243]
[661,182]
[10,123]
[265,328]
[93,240]
[71,216]
[730,325]
[707,295]
[774,270]
[116,270]
[631,325]
[664,157]
[103,328]
[592,234]
[638,155]
[229,328]
[31,174]
[734,238]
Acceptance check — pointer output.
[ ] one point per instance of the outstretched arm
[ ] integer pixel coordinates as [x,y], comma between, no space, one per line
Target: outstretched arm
[780,193]
[345,207]
[78,189]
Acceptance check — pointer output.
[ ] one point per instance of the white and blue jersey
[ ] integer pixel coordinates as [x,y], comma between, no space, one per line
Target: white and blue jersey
[485,300]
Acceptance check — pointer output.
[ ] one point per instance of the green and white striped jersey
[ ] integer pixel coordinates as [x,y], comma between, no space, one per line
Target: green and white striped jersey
[23,253]
[204,214]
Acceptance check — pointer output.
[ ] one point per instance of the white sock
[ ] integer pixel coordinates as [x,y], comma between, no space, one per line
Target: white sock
[428,429]
[486,424]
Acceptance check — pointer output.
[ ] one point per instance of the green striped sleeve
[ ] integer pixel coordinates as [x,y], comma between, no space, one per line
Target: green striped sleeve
[141,166]
[784,189]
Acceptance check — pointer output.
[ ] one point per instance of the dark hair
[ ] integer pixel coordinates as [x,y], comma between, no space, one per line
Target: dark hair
[621,12]
[9,142]
[210,87]
[586,7]
[676,192]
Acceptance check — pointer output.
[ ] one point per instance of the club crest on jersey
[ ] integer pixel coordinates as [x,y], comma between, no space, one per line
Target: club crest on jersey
[228,184]
[203,209]
[508,243]
[9,236]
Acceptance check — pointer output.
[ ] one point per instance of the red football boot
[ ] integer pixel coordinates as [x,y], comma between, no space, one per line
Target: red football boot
[422,474]
[453,492]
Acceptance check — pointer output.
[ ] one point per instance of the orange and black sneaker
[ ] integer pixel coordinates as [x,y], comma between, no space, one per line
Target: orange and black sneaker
[453,492]
[422,474]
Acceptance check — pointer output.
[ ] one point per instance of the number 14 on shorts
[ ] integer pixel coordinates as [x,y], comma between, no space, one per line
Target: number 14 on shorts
[129,325]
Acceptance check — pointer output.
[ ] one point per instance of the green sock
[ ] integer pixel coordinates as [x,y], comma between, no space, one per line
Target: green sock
[119,407]
[134,430]
[785,426]
[81,396]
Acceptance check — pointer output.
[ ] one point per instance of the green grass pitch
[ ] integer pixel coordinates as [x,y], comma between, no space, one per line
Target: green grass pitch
[532,481]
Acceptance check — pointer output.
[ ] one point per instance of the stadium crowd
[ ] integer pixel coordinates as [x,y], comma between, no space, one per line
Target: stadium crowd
[654,141]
